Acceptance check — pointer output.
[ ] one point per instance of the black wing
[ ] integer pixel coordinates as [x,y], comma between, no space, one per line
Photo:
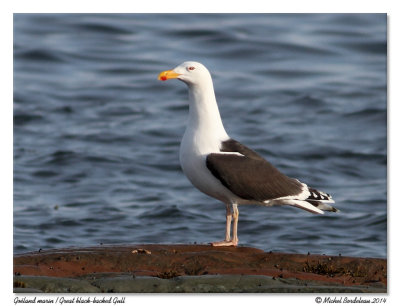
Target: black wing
[250,176]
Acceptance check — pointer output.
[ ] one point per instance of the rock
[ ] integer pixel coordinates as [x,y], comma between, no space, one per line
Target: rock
[194,268]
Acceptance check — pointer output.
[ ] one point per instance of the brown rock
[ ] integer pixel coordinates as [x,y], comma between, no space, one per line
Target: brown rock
[169,261]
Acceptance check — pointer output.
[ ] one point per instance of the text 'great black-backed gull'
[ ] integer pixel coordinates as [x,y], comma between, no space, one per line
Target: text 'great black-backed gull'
[225,169]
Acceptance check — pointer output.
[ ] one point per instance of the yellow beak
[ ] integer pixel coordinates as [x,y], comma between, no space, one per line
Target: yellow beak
[168,74]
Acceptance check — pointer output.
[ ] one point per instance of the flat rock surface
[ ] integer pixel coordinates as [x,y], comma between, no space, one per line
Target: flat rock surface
[193,268]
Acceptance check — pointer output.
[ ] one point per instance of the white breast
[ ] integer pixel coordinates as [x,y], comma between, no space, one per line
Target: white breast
[193,153]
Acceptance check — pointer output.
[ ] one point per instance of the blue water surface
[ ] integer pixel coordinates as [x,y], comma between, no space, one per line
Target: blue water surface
[96,136]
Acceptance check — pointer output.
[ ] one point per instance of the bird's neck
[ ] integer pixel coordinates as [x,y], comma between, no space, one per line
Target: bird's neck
[204,116]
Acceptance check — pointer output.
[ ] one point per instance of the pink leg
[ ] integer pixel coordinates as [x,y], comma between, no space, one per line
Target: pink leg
[235,238]
[228,223]
[228,241]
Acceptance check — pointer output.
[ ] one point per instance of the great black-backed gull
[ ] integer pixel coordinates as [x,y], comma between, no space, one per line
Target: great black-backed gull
[225,169]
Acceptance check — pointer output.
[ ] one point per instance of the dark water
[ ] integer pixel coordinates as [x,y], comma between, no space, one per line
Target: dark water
[96,136]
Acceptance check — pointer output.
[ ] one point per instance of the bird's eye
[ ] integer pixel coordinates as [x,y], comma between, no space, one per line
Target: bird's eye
[191,68]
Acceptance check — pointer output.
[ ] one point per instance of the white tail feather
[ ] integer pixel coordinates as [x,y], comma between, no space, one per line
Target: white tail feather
[305,205]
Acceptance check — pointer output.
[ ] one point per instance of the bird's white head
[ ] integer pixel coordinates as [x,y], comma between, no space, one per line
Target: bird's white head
[204,118]
[191,73]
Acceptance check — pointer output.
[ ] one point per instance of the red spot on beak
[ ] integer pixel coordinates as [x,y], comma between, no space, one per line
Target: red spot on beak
[168,74]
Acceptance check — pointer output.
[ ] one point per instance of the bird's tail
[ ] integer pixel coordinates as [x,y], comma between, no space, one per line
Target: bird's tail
[316,195]
[320,200]
[316,202]
[315,207]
